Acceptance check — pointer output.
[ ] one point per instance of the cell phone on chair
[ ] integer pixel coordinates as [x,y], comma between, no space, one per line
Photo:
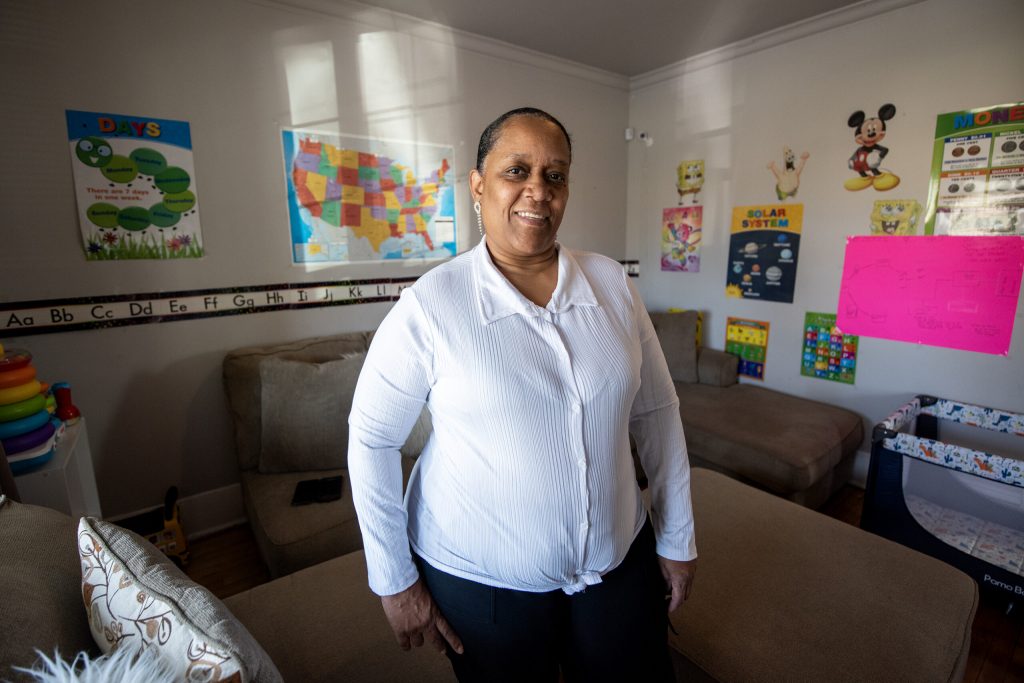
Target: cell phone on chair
[322,490]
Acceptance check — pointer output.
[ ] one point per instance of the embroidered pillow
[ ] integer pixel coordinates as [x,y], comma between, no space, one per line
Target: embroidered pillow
[136,598]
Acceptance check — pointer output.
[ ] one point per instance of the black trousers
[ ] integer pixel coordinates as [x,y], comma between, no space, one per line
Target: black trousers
[612,631]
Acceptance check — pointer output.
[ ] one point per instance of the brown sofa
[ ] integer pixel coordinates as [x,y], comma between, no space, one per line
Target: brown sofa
[278,397]
[796,448]
[782,593]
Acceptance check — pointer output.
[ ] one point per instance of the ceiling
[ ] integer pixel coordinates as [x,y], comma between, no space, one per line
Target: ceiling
[628,37]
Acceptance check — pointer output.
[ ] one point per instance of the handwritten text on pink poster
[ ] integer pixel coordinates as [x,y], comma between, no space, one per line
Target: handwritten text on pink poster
[956,292]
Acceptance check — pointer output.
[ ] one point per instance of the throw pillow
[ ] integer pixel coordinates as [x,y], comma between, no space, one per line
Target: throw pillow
[677,333]
[137,598]
[305,409]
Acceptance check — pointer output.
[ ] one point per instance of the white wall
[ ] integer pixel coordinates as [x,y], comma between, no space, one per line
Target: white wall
[238,70]
[929,58]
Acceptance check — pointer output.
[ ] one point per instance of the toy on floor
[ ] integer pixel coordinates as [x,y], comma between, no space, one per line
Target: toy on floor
[972,518]
[162,527]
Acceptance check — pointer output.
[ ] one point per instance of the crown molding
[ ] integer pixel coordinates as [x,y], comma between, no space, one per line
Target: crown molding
[867,9]
[388,20]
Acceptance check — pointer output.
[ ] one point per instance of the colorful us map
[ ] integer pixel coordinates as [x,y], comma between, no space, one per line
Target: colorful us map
[353,199]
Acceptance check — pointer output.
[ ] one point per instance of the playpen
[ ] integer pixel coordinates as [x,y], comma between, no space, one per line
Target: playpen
[962,505]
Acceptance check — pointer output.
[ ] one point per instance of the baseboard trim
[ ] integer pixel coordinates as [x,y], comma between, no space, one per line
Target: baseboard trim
[207,512]
[211,511]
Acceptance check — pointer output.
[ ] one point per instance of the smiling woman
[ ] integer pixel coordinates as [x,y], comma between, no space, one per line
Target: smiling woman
[522,547]
[521,186]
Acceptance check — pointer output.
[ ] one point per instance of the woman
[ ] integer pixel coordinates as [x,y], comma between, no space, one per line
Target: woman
[522,546]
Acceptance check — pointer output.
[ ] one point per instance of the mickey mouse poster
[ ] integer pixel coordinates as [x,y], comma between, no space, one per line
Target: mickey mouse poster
[866,160]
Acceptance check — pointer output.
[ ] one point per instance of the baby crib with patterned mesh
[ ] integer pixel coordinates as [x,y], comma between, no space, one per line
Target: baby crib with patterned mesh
[962,505]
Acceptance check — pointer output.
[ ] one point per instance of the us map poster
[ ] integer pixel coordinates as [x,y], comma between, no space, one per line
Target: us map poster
[764,245]
[977,174]
[354,199]
[680,238]
[135,186]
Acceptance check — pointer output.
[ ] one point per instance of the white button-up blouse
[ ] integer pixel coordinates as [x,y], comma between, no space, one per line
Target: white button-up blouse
[527,480]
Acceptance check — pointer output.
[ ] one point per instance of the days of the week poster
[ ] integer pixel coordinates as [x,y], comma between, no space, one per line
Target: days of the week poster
[135,186]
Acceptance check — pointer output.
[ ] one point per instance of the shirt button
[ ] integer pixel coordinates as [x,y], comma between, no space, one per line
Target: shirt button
[581,462]
[584,525]
[575,407]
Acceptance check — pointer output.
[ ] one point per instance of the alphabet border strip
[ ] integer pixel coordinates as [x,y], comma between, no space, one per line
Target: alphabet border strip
[22,318]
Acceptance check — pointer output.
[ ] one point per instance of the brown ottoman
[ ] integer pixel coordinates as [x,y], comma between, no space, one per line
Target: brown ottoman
[784,593]
[323,624]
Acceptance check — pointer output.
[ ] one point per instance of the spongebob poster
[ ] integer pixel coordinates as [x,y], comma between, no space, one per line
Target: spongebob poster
[895,217]
[135,186]
[680,239]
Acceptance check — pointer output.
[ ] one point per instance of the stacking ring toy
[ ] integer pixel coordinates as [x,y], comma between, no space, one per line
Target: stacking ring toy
[12,378]
[21,409]
[14,359]
[33,458]
[25,442]
[20,392]
[24,425]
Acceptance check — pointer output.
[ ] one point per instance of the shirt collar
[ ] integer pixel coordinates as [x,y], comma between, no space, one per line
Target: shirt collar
[498,299]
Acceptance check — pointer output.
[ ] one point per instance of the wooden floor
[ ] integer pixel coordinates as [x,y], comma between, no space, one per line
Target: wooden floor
[228,562]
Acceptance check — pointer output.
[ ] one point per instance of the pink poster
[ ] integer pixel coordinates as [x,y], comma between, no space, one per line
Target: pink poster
[955,292]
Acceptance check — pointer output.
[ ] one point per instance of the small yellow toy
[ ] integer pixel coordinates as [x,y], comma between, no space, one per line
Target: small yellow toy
[690,179]
[162,527]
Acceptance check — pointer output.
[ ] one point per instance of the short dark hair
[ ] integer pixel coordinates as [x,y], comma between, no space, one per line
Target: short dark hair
[492,132]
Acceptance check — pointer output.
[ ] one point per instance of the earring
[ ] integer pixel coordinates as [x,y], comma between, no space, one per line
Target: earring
[479,219]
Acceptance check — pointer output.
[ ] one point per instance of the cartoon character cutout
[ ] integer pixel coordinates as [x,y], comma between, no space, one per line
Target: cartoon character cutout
[94,152]
[866,160]
[787,178]
[895,217]
[690,179]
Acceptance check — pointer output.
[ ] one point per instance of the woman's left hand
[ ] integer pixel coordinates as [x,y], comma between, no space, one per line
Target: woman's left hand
[679,578]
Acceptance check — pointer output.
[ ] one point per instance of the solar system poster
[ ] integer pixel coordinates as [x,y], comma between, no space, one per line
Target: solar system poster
[977,174]
[764,245]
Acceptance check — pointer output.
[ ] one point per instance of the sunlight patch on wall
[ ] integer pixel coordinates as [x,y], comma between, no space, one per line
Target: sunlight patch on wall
[704,101]
[385,66]
[312,85]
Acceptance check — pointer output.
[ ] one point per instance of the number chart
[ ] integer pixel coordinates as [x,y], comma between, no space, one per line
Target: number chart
[748,339]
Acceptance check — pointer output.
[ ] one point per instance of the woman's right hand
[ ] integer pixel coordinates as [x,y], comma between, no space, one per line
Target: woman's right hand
[415,619]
